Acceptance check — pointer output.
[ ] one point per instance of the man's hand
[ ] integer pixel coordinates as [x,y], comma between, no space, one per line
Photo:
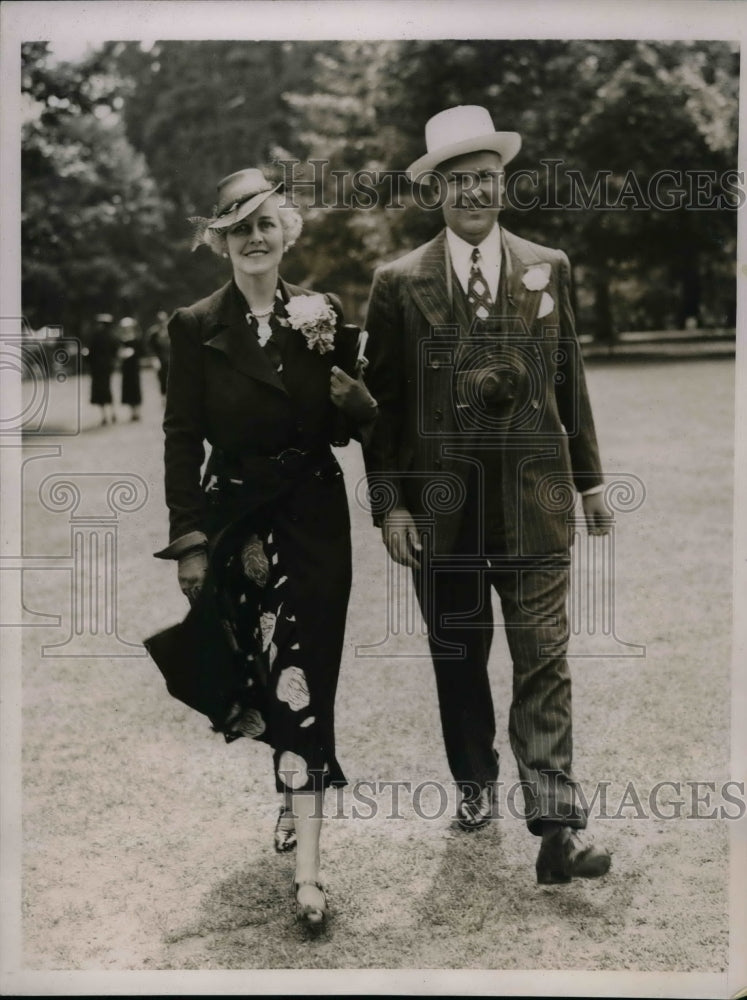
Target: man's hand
[598,516]
[192,569]
[351,395]
[401,537]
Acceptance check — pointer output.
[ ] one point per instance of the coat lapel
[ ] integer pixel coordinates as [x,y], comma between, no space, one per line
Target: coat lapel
[430,283]
[233,337]
[523,302]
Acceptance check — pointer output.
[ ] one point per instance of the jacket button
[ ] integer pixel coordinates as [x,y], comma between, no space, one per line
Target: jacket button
[437,463]
[438,414]
[435,363]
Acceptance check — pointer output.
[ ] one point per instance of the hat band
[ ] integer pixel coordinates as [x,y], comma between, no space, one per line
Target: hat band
[234,205]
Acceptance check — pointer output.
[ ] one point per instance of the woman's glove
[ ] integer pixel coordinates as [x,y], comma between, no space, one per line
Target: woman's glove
[192,569]
[352,396]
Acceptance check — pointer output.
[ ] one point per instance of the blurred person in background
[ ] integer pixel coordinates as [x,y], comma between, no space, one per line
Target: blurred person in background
[130,353]
[102,356]
[259,369]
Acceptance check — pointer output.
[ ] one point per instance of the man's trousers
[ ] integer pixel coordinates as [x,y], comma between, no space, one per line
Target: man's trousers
[455,598]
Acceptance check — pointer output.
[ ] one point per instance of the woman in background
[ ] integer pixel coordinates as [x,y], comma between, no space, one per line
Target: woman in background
[130,352]
[102,355]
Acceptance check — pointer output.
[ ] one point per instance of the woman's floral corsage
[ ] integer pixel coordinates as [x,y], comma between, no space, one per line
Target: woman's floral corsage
[314,317]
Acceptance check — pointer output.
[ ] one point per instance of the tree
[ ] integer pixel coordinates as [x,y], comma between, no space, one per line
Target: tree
[89,205]
[198,111]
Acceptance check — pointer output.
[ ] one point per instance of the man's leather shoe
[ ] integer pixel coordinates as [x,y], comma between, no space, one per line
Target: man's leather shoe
[475,811]
[563,856]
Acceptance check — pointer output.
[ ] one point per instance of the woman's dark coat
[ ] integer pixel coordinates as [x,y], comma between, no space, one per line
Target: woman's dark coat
[223,389]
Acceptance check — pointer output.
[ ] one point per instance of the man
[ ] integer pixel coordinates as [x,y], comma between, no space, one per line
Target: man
[485,434]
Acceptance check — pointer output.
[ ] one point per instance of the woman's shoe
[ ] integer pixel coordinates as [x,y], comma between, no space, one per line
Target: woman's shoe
[313,915]
[284,837]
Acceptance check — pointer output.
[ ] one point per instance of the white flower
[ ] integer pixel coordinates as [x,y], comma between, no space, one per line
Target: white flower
[251,724]
[314,317]
[546,305]
[293,689]
[292,769]
[254,561]
[536,278]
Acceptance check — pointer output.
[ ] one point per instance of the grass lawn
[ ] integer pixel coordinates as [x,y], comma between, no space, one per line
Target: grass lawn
[147,840]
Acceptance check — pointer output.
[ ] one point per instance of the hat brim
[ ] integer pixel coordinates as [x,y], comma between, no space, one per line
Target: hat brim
[243,210]
[506,144]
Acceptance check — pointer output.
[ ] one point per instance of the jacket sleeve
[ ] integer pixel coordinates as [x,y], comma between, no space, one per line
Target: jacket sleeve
[345,356]
[184,429]
[572,394]
[385,378]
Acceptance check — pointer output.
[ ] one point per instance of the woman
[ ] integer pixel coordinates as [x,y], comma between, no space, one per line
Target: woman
[265,535]
[102,355]
[130,352]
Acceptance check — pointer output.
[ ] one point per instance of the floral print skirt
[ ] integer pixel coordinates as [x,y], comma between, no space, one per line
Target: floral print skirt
[265,629]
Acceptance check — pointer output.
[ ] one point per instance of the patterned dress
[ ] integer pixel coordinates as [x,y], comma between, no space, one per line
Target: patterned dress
[262,620]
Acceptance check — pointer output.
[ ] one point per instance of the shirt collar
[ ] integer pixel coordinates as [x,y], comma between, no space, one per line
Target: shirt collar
[490,245]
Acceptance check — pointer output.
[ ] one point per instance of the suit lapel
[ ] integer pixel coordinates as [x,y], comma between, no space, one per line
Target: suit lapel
[430,284]
[521,301]
[234,339]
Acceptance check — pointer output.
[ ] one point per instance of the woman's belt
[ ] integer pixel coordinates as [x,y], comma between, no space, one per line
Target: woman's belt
[289,464]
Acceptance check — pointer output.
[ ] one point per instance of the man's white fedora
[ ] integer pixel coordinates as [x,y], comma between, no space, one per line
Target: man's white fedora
[467,128]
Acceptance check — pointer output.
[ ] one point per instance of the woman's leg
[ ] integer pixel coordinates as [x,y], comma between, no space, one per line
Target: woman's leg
[285,827]
[307,809]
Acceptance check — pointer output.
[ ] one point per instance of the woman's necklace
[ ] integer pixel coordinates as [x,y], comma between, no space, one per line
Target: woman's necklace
[261,315]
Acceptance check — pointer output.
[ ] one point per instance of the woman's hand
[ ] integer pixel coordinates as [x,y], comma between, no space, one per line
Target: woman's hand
[352,396]
[192,569]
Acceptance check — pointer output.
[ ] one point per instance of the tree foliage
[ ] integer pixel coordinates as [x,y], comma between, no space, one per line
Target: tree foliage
[89,204]
[157,128]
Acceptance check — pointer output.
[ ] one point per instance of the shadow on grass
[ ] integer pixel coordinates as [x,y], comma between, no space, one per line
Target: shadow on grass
[246,921]
[482,898]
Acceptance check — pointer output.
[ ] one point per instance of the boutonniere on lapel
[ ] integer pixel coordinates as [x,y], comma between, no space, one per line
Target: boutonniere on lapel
[536,279]
[314,317]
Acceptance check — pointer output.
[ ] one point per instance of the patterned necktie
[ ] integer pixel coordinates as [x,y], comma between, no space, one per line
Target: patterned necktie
[478,293]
